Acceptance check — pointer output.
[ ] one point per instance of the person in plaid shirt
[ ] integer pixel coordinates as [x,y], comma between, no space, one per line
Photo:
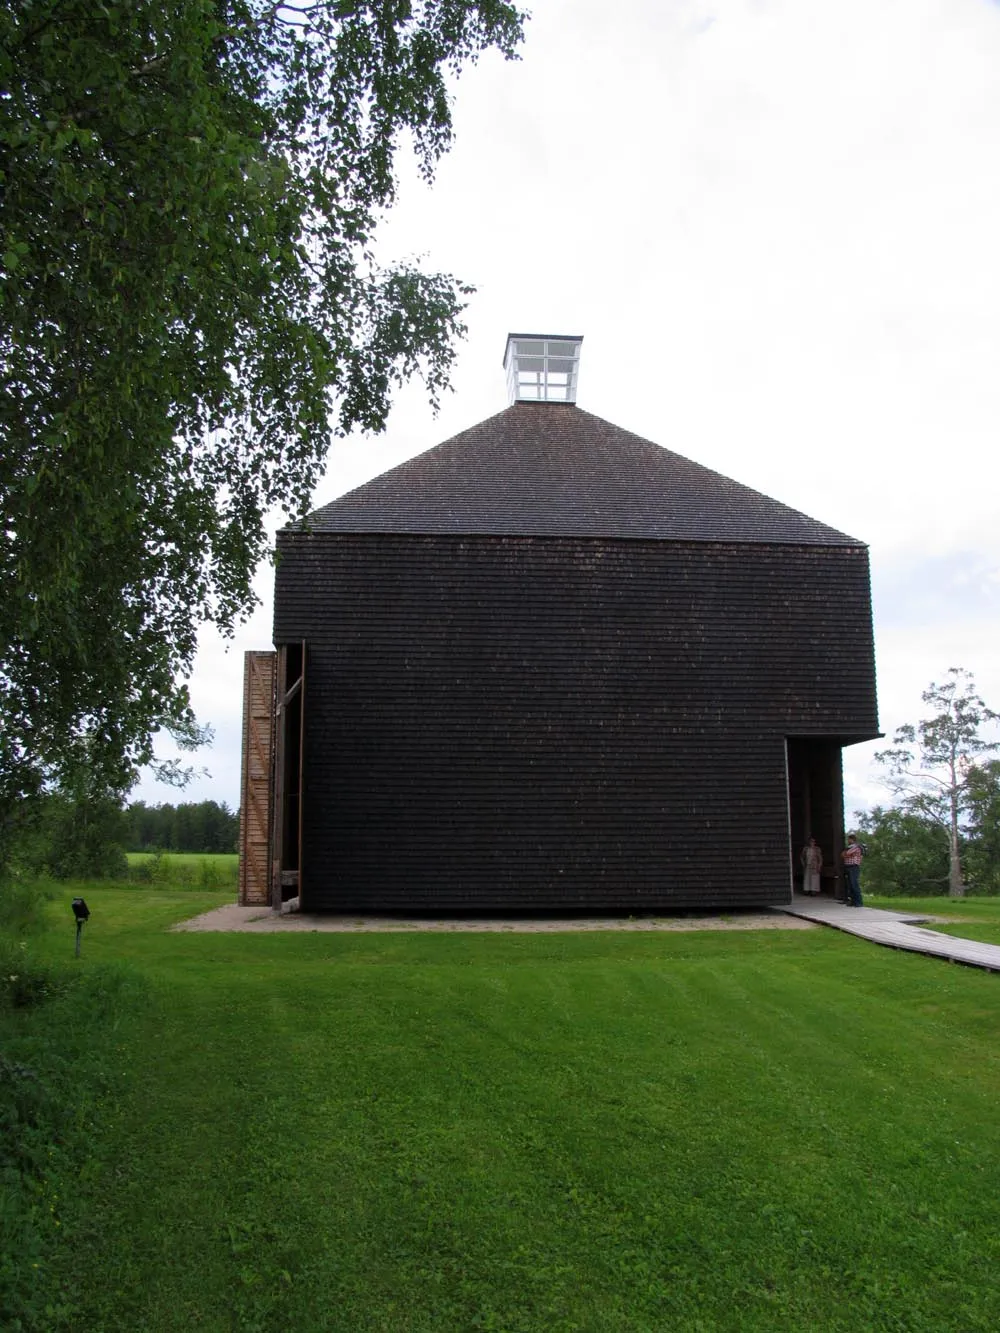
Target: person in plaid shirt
[851,857]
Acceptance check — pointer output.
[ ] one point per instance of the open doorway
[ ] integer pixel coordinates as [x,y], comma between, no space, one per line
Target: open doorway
[816,806]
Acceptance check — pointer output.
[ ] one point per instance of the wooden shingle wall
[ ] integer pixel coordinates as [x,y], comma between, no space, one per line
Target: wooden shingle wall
[561,723]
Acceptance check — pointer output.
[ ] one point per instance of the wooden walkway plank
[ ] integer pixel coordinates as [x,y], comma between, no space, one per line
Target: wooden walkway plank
[895,930]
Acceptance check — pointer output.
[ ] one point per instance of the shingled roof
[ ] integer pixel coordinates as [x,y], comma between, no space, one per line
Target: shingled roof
[554,470]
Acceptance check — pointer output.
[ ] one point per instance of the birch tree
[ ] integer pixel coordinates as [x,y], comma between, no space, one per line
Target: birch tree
[190,312]
[928,767]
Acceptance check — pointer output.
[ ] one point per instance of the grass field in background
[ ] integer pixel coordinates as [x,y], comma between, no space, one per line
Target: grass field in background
[606,1131]
[203,870]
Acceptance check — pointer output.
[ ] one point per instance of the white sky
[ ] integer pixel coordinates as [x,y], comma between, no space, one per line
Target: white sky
[777,225]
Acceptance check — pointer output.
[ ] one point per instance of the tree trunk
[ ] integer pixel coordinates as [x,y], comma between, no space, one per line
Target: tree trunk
[956,886]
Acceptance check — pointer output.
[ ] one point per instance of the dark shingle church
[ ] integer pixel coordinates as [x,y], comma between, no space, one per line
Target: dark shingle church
[551,665]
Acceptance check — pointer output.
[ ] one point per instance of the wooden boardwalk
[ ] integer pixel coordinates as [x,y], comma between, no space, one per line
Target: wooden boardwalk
[896,930]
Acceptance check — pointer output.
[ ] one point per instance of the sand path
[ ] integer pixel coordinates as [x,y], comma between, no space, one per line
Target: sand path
[262,920]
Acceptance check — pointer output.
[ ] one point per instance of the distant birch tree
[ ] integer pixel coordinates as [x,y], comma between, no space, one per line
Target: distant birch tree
[929,765]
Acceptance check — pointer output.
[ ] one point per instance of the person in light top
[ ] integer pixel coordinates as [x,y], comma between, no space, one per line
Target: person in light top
[812,864]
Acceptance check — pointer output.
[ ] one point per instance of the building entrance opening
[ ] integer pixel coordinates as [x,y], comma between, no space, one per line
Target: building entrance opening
[815,807]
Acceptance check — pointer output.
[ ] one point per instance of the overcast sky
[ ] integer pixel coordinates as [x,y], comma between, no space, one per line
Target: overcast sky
[777,225]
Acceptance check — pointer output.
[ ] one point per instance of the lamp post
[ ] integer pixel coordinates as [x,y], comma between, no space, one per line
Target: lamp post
[81,911]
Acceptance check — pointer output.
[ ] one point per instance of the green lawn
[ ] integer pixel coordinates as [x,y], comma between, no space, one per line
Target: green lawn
[600,1132]
[972,918]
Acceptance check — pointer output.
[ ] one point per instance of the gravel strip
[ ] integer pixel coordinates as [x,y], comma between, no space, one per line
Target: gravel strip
[262,920]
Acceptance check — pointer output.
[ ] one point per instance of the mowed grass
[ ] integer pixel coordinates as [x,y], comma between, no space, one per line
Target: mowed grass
[970,918]
[697,1131]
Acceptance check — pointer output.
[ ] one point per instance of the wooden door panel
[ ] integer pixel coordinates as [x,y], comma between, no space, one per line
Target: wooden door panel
[256,809]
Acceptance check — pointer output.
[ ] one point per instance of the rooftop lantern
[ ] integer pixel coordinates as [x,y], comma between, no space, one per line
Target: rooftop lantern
[542,367]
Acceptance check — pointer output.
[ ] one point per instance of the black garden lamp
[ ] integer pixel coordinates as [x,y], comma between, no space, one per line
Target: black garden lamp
[81,911]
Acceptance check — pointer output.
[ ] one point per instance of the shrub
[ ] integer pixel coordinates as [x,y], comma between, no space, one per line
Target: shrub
[907,855]
[69,836]
[24,981]
[21,903]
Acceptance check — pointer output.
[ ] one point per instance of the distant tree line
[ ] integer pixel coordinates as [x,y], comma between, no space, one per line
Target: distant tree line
[205,826]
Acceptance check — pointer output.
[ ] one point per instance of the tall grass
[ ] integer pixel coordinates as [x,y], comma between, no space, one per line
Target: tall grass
[55,1072]
[190,870]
